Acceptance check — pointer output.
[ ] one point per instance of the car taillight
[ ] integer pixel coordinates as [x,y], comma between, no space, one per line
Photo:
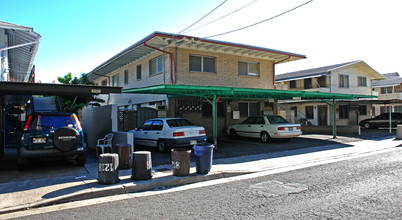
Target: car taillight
[77,122]
[299,127]
[202,132]
[281,128]
[178,134]
[26,126]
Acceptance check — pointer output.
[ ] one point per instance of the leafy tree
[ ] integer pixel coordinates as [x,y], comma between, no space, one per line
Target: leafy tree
[74,103]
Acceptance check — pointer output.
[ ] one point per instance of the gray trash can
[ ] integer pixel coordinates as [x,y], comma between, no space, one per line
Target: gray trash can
[108,168]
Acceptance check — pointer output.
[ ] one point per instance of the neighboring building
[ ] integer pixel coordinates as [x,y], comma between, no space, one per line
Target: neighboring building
[388,89]
[163,58]
[18,47]
[348,78]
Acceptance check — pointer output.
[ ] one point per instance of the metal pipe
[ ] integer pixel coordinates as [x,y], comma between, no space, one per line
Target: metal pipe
[171,60]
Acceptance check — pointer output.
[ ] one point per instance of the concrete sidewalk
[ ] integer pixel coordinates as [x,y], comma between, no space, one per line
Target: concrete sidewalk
[20,195]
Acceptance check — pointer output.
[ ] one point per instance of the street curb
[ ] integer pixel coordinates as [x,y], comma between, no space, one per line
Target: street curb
[129,186]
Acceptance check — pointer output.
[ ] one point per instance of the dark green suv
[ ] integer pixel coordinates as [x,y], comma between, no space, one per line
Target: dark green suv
[52,135]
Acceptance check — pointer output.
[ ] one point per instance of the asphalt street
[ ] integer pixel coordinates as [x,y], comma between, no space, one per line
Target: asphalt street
[363,188]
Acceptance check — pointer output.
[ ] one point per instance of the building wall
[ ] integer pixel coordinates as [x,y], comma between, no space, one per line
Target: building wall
[226,71]
[353,74]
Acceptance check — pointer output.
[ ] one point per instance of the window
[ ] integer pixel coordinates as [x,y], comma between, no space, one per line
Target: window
[138,72]
[292,84]
[126,77]
[309,112]
[362,81]
[343,112]
[207,109]
[322,81]
[248,68]
[249,108]
[157,125]
[104,82]
[386,90]
[115,80]
[307,84]
[362,109]
[294,109]
[155,66]
[202,64]
[343,81]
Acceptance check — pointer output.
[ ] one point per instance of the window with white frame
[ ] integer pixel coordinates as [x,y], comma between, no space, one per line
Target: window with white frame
[362,81]
[202,64]
[387,90]
[155,66]
[248,68]
[115,80]
[343,81]
[138,72]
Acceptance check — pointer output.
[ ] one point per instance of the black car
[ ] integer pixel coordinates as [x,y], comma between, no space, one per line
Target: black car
[52,135]
[382,121]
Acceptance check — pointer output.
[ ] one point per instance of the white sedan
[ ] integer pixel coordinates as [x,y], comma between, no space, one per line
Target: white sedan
[265,128]
[165,133]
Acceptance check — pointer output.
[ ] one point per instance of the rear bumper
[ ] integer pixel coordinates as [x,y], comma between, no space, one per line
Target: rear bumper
[184,142]
[286,134]
[24,153]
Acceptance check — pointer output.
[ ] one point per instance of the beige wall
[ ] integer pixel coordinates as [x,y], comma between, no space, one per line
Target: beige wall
[226,71]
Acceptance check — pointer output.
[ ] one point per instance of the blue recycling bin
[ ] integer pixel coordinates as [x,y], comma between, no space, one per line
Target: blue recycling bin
[203,157]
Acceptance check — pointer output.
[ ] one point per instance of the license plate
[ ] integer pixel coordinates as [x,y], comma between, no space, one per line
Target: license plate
[193,142]
[290,129]
[39,140]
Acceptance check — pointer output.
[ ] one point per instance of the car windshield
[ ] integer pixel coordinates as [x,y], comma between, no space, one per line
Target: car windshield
[276,120]
[178,123]
[46,122]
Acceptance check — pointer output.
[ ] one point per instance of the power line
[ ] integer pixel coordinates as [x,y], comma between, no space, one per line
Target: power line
[242,28]
[202,17]
[222,16]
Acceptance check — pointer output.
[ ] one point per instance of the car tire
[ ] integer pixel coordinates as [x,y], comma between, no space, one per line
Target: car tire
[233,133]
[162,146]
[81,159]
[367,125]
[264,137]
[66,139]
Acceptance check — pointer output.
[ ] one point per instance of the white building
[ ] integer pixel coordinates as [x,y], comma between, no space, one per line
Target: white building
[346,78]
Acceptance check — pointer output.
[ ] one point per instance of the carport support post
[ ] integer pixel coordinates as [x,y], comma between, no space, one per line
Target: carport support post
[334,118]
[214,113]
[390,119]
[2,126]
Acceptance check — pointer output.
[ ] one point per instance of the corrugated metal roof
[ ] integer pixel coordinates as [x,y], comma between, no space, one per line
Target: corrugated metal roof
[240,93]
[20,59]
[162,40]
[391,79]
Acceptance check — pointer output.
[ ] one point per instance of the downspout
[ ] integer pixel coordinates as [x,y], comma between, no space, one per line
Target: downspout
[273,69]
[171,60]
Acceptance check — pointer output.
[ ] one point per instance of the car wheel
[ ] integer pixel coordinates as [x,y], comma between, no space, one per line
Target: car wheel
[265,137]
[162,146]
[66,139]
[81,159]
[367,125]
[233,133]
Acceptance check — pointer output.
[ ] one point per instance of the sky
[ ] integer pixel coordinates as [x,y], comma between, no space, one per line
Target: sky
[79,35]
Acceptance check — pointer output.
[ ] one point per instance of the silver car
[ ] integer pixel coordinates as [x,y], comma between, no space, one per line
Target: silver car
[265,128]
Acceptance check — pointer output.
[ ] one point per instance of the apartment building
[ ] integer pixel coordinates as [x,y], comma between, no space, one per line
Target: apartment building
[354,77]
[164,58]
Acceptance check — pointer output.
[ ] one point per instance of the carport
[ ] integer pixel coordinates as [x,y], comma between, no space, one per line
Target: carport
[19,93]
[214,93]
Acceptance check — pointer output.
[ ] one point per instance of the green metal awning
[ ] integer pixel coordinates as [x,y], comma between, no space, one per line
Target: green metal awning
[214,93]
[241,93]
